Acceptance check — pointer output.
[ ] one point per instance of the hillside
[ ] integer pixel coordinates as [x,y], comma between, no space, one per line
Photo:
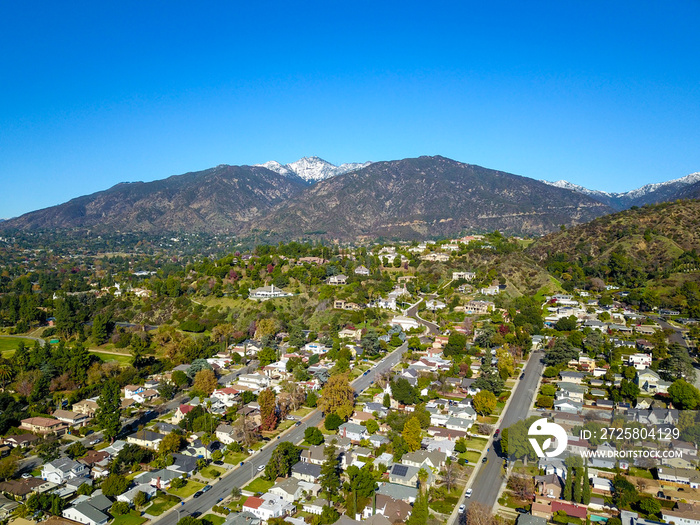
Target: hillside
[651,238]
[427,196]
[221,199]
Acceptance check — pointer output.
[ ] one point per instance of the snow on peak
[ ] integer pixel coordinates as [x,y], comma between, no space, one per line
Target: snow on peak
[648,188]
[312,169]
[574,187]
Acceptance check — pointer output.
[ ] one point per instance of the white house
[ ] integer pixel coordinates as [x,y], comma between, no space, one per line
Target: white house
[267,292]
[62,469]
[639,361]
[268,506]
[406,323]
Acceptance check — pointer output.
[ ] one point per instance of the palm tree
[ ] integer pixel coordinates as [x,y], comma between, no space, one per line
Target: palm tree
[5,375]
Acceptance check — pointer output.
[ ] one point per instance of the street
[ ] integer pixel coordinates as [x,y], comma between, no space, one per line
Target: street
[486,485]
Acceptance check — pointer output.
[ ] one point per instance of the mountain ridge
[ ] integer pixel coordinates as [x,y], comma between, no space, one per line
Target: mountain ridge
[312,169]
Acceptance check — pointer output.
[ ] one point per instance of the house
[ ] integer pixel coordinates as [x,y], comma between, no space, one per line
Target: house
[226,395]
[20,440]
[647,380]
[423,458]
[183,465]
[458,423]
[548,486]
[339,279]
[680,475]
[92,511]
[128,497]
[353,432]
[406,323]
[44,426]
[315,455]
[72,419]
[400,492]
[226,434]
[315,506]
[360,417]
[682,514]
[467,276]
[639,361]
[572,377]
[395,510]
[602,484]
[180,413]
[479,307]
[160,479]
[292,489]
[361,270]
[62,469]
[267,292]
[21,489]
[568,405]
[146,439]
[407,475]
[86,406]
[572,510]
[530,519]
[306,471]
[268,506]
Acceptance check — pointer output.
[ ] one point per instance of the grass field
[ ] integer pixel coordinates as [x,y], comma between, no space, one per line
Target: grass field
[259,485]
[190,488]
[123,360]
[477,443]
[213,519]
[133,518]
[8,345]
[212,472]
[233,458]
[470,456]
[159,506]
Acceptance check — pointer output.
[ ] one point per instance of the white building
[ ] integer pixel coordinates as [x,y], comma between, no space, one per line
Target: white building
[639,361]
[406,323]
[267,292]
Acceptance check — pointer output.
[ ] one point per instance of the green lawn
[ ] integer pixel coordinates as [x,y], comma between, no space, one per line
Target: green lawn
[211,472]
[234,458]
[133,475]
[159,506]
[259,485]
[133,518]
[477,443]
[190,488]
[8,345]
[470,456]
[640,473]
[123,360]
[213,519]
[303,412]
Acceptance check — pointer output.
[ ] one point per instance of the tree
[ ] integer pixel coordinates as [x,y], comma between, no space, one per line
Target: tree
[332,422]
[114,484]
[140,499]
[456,344]
[449,475]
[100,329]
[479,514]
[521,487]
[311,399]
[370,343]
[283,458]
[624,493]
[268,410]
[119,508]
[267,356]
[76,450]
[561,353]
[679,364]
[484,402]
[109,410]
[684,395]
[586,492]
[650,506]
[313,436]
[8,467]
[403,392]
[412,434]
[171,443]
[372,426]
[330,472]
[205,382]
[338,397]
[180,378]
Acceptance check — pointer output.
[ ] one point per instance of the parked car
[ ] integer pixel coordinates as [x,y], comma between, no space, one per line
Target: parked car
[195,514]
[484,460]
[27,475]
[197,494]
[206,488]
[297,423]
[95,441]
[468,494]
[498,431]
[218,463]
[461,509]
[521,510]
[261,468]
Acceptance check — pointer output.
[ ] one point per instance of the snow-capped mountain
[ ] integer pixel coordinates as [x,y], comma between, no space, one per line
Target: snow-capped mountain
[312,169]
[647,194]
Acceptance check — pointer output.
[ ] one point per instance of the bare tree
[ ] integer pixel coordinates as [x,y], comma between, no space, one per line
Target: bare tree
[449,475]
[521,487]
[479,514]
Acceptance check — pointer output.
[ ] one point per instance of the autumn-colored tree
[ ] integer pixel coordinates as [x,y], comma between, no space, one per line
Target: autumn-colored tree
[338,397]
[171,443]
[268,410]
[484,402]
[205,381]
[265,327]
[412,434]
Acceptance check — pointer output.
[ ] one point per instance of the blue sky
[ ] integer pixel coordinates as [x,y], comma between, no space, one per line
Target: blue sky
[603,94]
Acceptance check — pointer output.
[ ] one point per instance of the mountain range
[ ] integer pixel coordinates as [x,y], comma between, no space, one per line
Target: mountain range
[687,187]
[311,198]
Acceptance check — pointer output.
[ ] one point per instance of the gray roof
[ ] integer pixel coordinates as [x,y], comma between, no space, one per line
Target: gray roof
[529,519]
[396,491]
[307,469]
[91,512]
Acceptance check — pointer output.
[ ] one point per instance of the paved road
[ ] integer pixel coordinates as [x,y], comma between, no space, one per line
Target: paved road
[413,312]
[242,475]
[487,483]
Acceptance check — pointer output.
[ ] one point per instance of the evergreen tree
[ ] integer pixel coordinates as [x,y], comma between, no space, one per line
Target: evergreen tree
[586,491]
[108,410]
[577,489]
[330,472]
[569,483]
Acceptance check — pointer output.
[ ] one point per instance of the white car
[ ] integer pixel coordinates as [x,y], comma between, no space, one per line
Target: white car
[468,493]
[261,468]
[461,509]
[26,475]
[95,441]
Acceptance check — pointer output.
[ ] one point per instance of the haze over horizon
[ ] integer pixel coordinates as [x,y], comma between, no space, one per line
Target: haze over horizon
[99,95]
